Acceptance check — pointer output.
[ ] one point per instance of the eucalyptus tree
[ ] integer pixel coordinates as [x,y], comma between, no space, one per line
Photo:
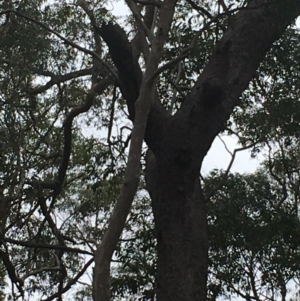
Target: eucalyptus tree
[177,71]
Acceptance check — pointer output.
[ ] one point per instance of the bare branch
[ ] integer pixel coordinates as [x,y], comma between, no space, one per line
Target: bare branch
[141,25]
[225,174]
[57,79]
[31,244]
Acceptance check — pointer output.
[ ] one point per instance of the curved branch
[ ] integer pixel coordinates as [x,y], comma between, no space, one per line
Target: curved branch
[225,174]
[146,95]
[130,74]
[57,79]
[71,282]
[67,41]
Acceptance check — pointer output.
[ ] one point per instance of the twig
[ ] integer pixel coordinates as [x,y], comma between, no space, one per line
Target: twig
[31,244]
[71,282]
[57,79]
[185,52]
[224,176]
[67,41]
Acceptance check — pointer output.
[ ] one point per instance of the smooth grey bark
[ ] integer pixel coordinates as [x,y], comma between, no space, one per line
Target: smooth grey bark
[179,143]
[142,106]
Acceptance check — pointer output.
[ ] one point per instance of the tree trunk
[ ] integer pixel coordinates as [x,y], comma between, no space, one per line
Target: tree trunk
[181,227]
[180,142]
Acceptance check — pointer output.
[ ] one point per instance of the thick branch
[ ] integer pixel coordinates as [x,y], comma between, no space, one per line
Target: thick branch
[230,69]
[130,78]
[104,252]
[130,74]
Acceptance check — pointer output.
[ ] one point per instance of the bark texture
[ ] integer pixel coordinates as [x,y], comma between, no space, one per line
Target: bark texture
[181,227]
[144,90]
[179,143]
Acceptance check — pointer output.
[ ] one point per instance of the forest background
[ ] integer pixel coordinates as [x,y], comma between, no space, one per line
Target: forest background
[65,134]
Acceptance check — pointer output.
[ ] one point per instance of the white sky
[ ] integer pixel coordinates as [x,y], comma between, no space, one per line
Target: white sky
[218,157]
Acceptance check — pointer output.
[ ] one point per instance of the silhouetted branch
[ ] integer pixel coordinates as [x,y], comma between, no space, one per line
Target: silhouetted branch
[57,79]
[67,41]
[31,244]
[71,282]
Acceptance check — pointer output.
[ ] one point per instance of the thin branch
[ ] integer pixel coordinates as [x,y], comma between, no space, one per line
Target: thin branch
[98,44]
[57,79]
[225,145]
[225,174]
[139,22]
[67,41]
[252,278]
[111,118]
[199,9]
[185,52]
[38,271]
[31,244]
[48,218]
[150,2]
[71,282]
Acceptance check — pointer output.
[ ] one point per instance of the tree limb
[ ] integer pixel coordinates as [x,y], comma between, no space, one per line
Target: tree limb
[32,244]
[71,282]
[57,79]
[67,41]
[104,252]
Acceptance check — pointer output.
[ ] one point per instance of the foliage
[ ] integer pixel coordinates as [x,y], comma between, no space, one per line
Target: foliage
[254,242]
[61,170]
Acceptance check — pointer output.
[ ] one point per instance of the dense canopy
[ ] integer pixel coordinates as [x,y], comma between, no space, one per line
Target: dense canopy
[104,124]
